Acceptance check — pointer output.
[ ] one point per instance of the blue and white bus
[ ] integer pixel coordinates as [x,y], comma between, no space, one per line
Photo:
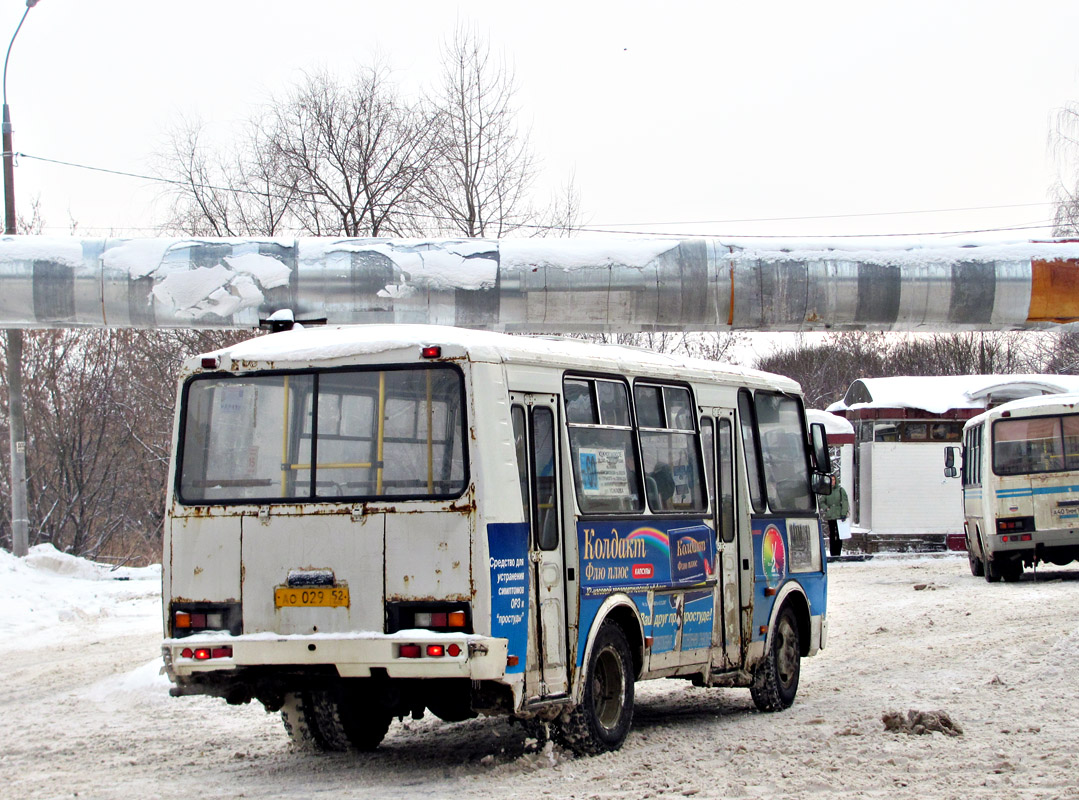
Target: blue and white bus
[371,521]
[1020,474]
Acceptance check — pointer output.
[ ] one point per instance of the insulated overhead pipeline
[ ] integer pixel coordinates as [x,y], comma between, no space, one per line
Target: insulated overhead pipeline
[538,285]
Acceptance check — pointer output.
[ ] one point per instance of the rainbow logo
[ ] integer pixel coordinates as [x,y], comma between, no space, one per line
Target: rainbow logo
[773,555]
[653,537]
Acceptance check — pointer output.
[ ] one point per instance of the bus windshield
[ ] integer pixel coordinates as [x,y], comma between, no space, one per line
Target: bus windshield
[323,435]
[1036,444]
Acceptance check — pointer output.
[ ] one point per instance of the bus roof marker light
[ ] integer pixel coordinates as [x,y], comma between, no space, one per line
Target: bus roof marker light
[431,351]
[211,362]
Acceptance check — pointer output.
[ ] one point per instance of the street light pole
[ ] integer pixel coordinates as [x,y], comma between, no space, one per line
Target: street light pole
[20,524]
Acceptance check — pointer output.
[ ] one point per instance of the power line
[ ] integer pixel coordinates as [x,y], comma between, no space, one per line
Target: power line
[620,229]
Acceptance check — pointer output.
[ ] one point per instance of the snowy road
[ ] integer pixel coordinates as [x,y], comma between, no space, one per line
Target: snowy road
[83,712]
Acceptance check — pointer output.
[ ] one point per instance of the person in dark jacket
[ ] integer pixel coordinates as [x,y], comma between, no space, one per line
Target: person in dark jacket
[834,507]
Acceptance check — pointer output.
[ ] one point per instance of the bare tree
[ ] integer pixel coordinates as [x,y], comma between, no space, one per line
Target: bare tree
[487,166]
[232,194]
[354,154]
[1064,146]
[563,215]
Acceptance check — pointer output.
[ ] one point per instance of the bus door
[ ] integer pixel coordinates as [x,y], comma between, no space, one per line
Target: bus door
[717,437]
[535,423]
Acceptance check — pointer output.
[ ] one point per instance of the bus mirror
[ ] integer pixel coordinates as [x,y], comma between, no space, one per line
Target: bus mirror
[823,483]
[949,463]
[820,447]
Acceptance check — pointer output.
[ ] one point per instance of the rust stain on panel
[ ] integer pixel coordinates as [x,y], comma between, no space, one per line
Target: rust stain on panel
[1054,290]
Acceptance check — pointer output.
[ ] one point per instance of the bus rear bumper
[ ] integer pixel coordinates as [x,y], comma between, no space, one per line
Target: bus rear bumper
[407,654]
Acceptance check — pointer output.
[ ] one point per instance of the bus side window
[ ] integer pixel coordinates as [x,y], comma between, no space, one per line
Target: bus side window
[708,444]
[747,419]
[545,519]
[726,480]
[517,416]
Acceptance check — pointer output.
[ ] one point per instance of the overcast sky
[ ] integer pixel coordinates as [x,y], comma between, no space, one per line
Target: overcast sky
[686,119]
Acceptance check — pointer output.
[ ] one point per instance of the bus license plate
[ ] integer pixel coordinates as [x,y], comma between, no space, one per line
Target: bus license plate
[310,596]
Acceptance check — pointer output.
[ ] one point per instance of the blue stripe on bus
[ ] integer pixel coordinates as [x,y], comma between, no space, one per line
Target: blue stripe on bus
[1039,490]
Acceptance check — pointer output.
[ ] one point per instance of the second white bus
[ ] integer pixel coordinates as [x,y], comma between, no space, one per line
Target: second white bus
[1020,474]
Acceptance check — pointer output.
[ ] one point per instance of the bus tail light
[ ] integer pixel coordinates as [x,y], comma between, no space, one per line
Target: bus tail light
[191,618]
[436,650]
[408,651]
[444,617]
[1015,525]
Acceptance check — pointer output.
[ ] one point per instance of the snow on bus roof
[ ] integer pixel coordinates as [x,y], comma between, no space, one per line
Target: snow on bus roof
[1050,403]
[331,343]
[940,393]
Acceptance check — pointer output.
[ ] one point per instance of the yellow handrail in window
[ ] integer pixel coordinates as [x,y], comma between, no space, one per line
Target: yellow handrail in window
[381,429]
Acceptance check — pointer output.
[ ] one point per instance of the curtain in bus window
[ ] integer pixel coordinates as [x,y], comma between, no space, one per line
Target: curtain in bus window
[1024,446]
[668,448]
[247,438]
[783,452]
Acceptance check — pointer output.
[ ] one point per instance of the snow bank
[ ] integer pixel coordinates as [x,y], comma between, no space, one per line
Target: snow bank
[53,595]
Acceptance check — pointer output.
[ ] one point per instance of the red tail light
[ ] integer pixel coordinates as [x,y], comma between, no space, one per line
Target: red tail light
[431,351]
[436,650]
[408,651]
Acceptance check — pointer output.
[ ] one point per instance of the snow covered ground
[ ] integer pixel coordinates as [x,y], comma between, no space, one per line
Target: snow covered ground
[85,713]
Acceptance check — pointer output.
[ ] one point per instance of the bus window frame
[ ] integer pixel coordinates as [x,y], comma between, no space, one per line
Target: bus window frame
[564,421]
[1063,445]
[694,431]
[311,498]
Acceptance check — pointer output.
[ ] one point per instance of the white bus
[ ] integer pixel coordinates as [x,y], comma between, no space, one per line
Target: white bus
[1020,475]
[372,521]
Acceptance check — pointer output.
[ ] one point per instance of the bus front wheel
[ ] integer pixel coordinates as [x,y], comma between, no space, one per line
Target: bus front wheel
[601,721]
[775,682]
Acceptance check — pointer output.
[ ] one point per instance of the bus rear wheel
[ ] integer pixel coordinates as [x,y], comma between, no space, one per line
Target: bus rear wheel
[977,568]
[602,720]
[775,682]
[334,720]
[1012,570]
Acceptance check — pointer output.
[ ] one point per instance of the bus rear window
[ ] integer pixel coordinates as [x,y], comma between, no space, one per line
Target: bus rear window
[323,436]
[1035,444]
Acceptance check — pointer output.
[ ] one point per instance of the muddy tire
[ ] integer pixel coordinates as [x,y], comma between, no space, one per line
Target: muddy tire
[602,720]
[992,567]
[303,722]
[977,568]
[1012,570]
[775,682]
[329,720]
[365,723]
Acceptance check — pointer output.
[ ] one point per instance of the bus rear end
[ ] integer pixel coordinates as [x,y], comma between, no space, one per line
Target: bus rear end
[319,544]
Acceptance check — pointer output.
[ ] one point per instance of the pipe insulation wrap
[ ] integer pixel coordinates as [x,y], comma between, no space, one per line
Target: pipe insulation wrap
[538,285]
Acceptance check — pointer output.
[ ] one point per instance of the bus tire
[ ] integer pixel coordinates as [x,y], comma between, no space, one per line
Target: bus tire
[992,570]
[775,682]
[303,723]
[1012,570]
[602,720]
[977,568]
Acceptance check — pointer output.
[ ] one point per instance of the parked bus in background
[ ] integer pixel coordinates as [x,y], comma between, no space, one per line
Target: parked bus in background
[1020,474]
[372,521]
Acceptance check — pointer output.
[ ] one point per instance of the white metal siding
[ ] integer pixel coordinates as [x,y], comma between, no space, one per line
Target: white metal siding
[909,493]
